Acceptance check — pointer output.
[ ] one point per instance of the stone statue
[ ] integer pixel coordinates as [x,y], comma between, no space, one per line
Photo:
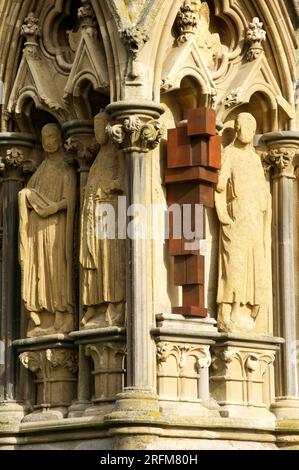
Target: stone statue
[102,258]
[243,204]
[46,240]
[208,42]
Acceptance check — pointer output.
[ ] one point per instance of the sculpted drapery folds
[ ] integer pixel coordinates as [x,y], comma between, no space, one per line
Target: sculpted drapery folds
[102,256]
[46,234]
[243,203]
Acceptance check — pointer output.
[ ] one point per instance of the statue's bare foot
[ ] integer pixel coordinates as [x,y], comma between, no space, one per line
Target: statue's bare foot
[35,318]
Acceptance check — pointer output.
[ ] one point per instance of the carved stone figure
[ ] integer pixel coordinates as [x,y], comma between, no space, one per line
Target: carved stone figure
[46,237]
[103,257]
[243,203]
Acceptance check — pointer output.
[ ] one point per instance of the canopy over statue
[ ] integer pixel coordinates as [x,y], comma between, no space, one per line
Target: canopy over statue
[243,203]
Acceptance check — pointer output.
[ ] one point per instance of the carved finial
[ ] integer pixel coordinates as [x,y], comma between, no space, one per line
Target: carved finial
[187,20]
[134,38]
[255,35]
[86,15]
[31,28]
[32,31]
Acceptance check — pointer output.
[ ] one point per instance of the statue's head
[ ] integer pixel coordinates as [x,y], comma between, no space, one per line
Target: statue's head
[245,128]
[51,138]
[101,121]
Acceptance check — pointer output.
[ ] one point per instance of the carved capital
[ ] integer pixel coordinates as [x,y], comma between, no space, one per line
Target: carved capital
[182,352]
[281,160]
[187,20]
[134,39]
[83,149]
[133,135]
[255,35]
[46,361]
[15,163]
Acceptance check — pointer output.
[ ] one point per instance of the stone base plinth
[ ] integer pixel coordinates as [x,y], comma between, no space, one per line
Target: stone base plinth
[11,414]
[135,405]
[286,408]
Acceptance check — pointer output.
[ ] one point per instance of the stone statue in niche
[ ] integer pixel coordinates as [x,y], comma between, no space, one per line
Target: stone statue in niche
[103,257]
[193,20]
[208,42]
[47,208]
[243,203]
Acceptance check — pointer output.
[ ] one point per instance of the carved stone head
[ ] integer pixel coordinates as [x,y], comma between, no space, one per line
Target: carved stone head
[101,121]
[245,128]
[51,138]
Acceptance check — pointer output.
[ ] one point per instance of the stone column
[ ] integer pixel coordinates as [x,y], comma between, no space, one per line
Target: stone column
[14,154]
[282,148]
[137,132]
[81,146]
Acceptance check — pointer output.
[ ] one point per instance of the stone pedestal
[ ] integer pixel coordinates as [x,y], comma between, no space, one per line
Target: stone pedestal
[183,361]
[242,375]
[54,362]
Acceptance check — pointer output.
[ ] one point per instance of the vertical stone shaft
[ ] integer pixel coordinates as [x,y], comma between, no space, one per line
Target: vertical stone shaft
[282,149]
[10,281]
[138,331]
[286,282]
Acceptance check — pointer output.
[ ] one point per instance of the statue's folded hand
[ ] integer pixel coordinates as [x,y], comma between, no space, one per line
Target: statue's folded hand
[49,210]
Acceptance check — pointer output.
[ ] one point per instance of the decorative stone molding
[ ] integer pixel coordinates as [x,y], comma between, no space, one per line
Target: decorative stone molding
[234,98]
[134,39]
[55,371]
[133,135]
[109,369]
[255,35]
[187,20]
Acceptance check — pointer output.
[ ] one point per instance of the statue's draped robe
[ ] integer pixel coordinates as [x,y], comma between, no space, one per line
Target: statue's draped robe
[46,242]
[103,260]
[244,197]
